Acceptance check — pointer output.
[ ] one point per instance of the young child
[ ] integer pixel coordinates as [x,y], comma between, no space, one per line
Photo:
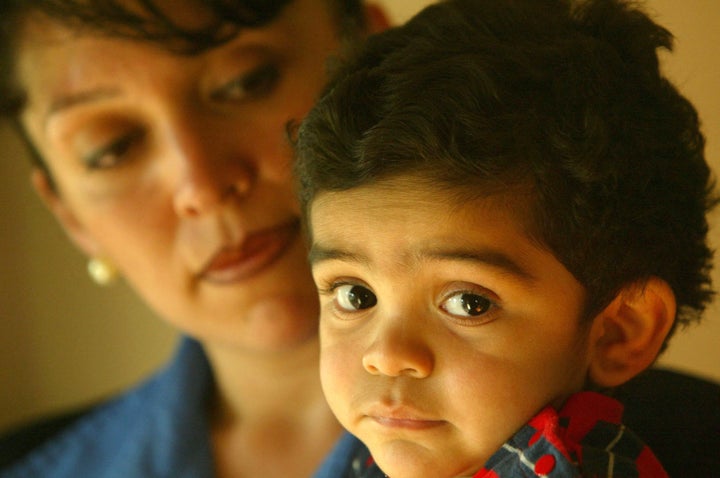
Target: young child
[506,204]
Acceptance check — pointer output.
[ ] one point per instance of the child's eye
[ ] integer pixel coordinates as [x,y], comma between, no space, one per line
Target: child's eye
[253,84]
[467,304]
[351,297]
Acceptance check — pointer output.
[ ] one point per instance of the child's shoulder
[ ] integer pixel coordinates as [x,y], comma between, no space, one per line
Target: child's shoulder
[678,416]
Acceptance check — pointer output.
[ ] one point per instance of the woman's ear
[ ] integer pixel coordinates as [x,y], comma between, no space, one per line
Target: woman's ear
[376,17]
[627,336]
[64,214]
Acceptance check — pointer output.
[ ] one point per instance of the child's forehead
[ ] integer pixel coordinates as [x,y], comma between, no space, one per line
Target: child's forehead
[417,191]
[422,205]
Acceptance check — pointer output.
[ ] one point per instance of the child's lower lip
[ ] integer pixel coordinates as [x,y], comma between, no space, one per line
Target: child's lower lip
[407,423]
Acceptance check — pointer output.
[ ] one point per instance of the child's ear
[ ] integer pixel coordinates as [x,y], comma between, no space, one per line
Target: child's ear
[64,214]
[628,334]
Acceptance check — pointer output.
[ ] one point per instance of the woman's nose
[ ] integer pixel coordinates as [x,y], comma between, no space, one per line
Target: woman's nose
[208,174]
[398,351]
[203,187]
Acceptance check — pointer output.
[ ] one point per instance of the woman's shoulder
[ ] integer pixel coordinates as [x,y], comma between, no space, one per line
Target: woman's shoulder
[155,425]
[70,440]
[22,439]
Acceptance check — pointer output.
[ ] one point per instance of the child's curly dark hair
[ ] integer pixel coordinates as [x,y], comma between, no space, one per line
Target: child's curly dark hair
[560,103]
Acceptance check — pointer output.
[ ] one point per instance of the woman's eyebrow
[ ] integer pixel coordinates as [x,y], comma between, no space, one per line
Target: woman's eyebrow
[65,102]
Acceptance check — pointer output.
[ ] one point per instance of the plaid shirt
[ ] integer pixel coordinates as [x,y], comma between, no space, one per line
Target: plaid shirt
[585,439]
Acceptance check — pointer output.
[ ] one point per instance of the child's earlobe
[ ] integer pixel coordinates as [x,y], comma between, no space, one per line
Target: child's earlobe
[628,334]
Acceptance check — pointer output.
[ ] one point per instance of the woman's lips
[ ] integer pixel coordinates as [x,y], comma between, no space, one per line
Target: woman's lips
[254,254]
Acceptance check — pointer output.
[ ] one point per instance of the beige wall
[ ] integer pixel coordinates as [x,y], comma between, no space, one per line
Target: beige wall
[64,341]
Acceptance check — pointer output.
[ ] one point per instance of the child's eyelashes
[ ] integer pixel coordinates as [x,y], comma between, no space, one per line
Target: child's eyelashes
[353,297]
[459,302]
[348,297]
[468,306]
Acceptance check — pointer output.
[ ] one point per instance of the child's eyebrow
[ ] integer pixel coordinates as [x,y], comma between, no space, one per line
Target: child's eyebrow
[486,257]
[319,253]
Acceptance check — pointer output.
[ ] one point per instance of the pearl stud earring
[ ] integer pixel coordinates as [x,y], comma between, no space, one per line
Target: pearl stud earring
[102,271]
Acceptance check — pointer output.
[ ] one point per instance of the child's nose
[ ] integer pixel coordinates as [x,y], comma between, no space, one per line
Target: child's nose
[399,352]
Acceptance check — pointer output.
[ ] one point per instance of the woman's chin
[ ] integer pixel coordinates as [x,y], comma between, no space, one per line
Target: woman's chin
[271,326]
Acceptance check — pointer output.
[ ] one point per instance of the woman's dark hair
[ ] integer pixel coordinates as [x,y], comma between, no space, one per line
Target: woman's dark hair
[146,20]
[141,20]
[561,106]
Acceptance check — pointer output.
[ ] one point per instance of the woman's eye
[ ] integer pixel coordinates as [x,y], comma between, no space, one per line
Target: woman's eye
[350,297]
[467,304]
[113,153]
[256,83]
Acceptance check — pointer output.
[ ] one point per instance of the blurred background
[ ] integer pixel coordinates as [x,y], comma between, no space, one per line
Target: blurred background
[66,342]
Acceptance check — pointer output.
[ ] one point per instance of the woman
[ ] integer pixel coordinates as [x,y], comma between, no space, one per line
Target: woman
[158,131]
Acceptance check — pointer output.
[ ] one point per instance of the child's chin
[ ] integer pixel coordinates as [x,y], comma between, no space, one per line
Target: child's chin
[396,467]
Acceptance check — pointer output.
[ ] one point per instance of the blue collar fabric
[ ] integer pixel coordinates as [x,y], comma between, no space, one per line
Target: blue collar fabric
[340,460]
[158,429]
